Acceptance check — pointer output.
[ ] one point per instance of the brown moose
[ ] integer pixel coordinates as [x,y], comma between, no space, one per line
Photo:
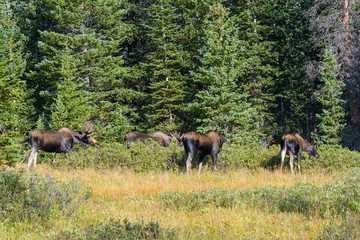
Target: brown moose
[58,141]
[203,144]
[294,144]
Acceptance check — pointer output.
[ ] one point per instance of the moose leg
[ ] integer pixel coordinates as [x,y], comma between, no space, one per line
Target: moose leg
[30,161]
[298,160]
[292,163]
[201,162]
[214,158]
[54,157]
[283,153]
[35,160]
[188,162]
[67,146]
[31,158]
[190,151]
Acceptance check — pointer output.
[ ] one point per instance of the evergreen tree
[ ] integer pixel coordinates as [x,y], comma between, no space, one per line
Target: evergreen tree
[70,108]
[14,107]
[110,80]
[60,46]
[287,28]
[220,102]
[333,114]
[184,64]
[163,66]
[337,23]
[82,65]
[258,59]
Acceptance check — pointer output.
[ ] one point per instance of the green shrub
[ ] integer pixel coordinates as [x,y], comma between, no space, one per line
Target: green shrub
[247,156]
[194,200]
[36,198]
[152,157]
[10,150]
[348,228]
[308,199]
[253,157]
[116,229]
[138,157]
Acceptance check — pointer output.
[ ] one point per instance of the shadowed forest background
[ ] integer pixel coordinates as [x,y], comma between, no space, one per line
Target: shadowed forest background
[266,67]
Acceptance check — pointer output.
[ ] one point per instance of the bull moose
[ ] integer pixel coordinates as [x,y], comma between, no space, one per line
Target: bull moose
[58,141]
[163,139]
[294,144]
[203,144]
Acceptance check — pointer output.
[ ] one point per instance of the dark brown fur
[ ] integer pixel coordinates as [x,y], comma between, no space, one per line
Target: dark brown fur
[203,144]
[294,144]
[58,141]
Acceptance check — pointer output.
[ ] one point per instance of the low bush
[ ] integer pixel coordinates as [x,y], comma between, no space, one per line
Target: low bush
[138,157]
[195,200]
[338,198]
[253,157]
[348,228]
[116,229]
[152,157]
[36,198]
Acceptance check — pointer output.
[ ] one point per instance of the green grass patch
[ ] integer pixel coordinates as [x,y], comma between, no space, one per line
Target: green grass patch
[331,199]
[117,229]
[36,199]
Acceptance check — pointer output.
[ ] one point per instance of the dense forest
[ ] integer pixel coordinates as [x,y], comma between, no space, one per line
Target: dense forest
[266,67]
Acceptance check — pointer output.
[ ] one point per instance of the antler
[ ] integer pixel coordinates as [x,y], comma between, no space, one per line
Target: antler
[90,127]
[226,130]
[176,135]
[233,131]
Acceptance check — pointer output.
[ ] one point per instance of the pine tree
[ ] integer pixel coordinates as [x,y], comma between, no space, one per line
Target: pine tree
[14,106]
[258,58]
[58,75]
[70,108]
[337,23]
[81,74]
[220,102]
[288,30]
[110,80]
[163,66]
[333,114]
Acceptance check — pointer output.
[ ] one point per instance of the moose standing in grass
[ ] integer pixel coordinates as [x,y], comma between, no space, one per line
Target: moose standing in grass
[208,143]
[294,144]
[58,141]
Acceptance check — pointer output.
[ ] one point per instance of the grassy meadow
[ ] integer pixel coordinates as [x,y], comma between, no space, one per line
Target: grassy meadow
[232,203]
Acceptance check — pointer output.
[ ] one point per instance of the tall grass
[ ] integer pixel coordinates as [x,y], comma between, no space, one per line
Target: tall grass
[309,199]
[152,157]
[123,194]
[144,191]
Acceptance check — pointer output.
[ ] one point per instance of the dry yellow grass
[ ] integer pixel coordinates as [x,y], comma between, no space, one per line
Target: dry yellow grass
[118,183]
[120,194]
